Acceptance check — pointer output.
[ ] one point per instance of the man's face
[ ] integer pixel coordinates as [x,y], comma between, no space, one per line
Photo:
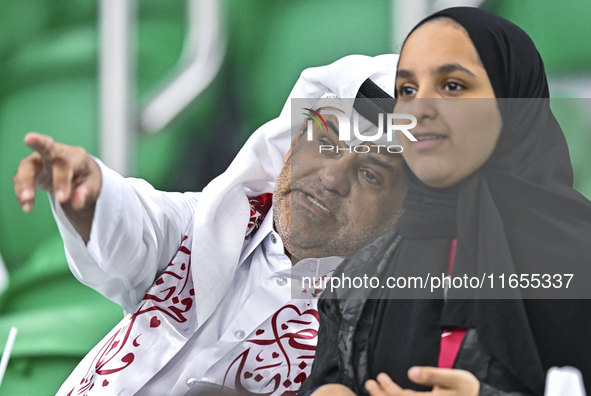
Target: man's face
[333,204]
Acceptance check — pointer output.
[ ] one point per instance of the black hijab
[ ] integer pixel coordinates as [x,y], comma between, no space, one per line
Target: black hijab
[518,213]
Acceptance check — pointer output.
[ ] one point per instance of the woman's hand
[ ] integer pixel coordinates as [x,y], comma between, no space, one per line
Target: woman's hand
[445,382]
[333,390]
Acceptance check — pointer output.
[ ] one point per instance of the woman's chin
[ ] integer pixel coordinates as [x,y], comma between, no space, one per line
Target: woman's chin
[441,173]
[437,179]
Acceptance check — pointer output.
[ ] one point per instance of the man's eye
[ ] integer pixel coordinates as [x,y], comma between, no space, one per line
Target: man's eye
[453,86]
[370,176]
[406,91]
[326,147]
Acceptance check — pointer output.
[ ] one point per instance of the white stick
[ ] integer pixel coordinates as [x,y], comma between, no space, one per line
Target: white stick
[7,351]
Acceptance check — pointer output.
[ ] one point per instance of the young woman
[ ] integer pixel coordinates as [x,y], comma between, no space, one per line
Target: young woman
[489,189]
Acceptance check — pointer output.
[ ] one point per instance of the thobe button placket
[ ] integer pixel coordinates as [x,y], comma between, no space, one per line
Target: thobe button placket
[273,238]
[239,334]
[281,280]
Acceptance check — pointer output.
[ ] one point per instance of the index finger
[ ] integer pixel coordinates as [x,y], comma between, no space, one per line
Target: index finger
[43,144]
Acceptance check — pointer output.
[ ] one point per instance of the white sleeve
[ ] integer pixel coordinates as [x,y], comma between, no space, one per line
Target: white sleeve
[136,230]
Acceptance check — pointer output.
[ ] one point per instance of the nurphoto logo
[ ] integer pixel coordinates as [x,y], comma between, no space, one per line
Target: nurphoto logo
[344,130]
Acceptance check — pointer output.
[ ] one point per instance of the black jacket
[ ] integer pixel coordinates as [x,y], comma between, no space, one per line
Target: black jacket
[346,317]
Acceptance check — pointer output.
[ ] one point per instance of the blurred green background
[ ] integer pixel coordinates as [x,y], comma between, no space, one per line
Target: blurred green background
[49,65]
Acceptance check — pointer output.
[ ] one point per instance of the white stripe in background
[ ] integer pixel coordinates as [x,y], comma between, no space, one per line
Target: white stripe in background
[7,351]
[3,276]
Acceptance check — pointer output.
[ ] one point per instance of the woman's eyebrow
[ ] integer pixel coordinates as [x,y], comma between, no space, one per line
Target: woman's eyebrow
[452,67]
[449,68]
[404,74]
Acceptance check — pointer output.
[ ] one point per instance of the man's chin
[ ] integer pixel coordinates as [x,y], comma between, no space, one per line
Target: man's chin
[305,243]
[305,250]
[311,229]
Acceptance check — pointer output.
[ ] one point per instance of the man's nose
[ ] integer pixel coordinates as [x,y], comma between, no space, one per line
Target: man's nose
[335,175]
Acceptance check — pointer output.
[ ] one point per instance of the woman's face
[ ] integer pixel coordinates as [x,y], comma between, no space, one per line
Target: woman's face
[438,65]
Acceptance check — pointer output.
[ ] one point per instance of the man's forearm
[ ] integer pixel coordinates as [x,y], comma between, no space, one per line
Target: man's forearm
[80,219]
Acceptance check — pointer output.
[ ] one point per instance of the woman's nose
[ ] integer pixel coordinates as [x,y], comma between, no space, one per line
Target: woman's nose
[422,107]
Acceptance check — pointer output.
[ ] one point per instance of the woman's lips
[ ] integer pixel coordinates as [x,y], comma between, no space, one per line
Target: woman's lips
[302,200]
[425,142]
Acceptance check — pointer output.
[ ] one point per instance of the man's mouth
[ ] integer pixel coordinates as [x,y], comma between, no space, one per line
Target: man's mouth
[313,205]
[317,203]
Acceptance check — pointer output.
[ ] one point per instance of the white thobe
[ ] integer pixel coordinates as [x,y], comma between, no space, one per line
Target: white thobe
[260,338]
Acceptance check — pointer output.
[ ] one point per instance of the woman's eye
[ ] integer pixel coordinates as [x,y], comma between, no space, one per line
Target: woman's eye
[406,91]
[453,86]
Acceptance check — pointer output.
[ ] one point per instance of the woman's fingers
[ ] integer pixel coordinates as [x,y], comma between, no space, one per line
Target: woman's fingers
[449,382]
[432,376]
[333,390]
[460,382]
[374,388]
[386,387]
[387,384]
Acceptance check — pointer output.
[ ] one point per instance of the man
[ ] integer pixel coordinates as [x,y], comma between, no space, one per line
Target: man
[205,277]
